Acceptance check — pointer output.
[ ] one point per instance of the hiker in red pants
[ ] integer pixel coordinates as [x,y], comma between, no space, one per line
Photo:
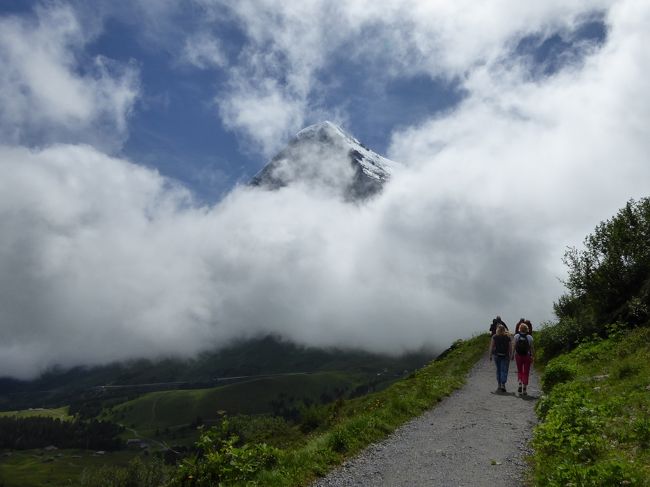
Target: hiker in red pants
[523,353]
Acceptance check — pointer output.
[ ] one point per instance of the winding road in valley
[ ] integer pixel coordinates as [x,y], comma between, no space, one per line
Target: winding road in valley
[475,437]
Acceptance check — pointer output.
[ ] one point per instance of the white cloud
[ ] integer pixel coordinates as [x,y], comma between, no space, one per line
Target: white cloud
[105,260]
[289,43]
[102,259]
[49,91]
[263,114]
[552,147]
[83,279]
[204,51]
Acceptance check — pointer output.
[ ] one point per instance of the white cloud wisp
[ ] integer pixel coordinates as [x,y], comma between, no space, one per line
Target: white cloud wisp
[48,93]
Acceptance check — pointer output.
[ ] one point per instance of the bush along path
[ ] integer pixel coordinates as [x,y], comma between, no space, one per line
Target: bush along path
[475,437]
[595,414]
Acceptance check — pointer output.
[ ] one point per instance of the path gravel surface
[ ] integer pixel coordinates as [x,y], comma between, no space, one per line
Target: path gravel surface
[475,437]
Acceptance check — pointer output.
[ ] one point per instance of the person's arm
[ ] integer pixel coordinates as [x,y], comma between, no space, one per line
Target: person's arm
[512,348]
[491,349]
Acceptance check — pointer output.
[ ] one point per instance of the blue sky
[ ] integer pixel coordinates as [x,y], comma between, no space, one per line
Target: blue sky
[126,128]
[175,127]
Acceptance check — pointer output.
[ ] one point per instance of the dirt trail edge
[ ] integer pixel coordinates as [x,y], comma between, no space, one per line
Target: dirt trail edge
[475,437]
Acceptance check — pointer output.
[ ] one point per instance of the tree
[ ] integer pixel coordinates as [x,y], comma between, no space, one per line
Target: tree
[609,280]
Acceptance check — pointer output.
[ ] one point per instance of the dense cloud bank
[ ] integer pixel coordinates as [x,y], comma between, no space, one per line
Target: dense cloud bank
[104,259]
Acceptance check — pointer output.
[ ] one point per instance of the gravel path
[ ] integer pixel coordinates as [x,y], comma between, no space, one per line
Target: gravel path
[475,437]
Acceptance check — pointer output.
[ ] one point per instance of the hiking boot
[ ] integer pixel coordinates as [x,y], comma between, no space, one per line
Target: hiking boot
[519,388]
[503,388]
[524,393]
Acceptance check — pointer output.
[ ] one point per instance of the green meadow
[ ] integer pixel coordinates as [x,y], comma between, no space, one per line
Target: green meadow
[61,413]
[57,468]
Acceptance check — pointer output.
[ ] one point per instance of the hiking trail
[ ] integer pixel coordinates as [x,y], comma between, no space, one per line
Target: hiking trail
[474,437]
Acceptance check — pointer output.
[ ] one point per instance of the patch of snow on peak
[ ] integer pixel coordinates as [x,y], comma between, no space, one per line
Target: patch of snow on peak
[324,155]
[372,164]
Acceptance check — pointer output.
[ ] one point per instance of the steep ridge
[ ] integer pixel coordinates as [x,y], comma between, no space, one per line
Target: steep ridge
[324,155]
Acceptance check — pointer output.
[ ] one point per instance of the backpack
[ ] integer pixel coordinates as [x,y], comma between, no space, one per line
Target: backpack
[522,346]
[501,345]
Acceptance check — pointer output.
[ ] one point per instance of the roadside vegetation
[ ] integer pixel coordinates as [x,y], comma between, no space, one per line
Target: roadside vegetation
[595,412]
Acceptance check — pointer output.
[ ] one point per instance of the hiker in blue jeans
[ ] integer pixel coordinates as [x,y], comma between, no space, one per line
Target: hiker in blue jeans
[501,348]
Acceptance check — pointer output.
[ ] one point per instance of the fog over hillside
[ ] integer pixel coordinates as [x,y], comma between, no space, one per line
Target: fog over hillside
[102,258]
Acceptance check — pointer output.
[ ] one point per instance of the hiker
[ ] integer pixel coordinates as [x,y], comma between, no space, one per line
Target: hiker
[529,325]
[523,353]
[521,322]
[501,349]
[496,322]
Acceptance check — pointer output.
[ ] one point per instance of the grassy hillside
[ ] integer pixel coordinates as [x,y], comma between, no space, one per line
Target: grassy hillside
[58,413]
[59,468]
[595,414]
[170,409]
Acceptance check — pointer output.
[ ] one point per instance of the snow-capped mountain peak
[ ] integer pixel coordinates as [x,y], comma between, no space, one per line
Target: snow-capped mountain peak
[322,129]
[325,155]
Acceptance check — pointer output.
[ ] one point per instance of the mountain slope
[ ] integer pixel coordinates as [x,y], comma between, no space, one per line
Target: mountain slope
[254,357]
[324,156]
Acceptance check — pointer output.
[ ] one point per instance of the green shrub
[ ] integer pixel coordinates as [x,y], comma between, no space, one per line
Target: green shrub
[219,461]
[608,473]
[339,440]
[555,338]
[595,427]
[548,401]
[573,427]
[556,373]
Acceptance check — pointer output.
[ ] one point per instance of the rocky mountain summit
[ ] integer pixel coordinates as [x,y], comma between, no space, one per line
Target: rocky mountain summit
[325,156]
